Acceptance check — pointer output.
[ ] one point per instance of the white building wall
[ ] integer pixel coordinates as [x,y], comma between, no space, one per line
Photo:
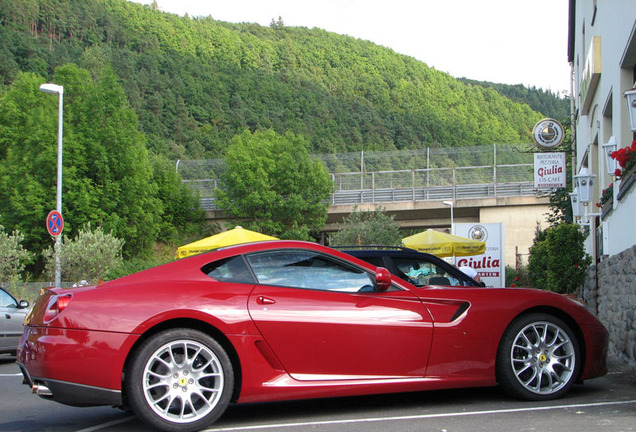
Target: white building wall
[614,22]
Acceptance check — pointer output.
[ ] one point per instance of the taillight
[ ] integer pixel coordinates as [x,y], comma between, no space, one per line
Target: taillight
[56,305]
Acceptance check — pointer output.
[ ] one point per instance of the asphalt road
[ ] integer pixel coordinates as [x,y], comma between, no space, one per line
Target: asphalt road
[605,404]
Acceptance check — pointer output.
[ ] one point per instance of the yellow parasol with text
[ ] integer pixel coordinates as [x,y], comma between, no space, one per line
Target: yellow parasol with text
[444,245]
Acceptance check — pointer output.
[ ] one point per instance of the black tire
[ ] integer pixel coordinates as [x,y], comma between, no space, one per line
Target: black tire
[538,358]
[179,380]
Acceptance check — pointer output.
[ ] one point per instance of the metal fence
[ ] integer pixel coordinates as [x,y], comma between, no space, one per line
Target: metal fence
[404,175]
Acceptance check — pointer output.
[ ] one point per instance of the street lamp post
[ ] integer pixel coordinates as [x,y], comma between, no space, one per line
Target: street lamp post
[58,90]
[450,203]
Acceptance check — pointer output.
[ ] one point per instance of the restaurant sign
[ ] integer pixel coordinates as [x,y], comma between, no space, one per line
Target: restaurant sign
[549,170]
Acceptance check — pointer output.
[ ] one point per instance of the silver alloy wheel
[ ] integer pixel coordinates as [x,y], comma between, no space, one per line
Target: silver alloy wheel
[183,381]
[543,357]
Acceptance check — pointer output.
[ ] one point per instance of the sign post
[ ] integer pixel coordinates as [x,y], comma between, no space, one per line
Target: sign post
[59,91]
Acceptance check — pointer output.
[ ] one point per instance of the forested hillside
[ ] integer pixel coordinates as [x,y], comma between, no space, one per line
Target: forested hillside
[544,101]
[196,82]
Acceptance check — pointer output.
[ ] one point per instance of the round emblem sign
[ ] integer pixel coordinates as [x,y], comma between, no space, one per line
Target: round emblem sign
[478,232]
[548,133]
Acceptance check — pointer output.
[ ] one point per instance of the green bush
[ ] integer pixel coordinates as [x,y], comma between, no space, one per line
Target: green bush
[367,228]
[558,261]
[89,257]
[517,277]
[13,256]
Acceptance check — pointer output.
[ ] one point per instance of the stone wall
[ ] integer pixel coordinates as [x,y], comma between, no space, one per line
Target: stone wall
[610,294]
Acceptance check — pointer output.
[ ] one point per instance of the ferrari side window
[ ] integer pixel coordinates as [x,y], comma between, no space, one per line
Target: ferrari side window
[305,269]
[231,269]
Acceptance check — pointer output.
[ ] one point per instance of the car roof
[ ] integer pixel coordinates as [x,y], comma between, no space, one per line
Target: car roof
[375,250]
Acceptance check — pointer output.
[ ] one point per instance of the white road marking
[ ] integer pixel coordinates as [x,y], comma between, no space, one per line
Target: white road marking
[419,417]
[107,424]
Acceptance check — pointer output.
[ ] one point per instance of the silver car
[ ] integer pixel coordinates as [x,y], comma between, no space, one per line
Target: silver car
[12,314]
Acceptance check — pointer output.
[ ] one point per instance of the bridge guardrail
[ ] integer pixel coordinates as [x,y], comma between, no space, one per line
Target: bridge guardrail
[506,172]
[435,193]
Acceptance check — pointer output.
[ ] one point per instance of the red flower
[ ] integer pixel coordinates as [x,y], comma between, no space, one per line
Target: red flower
[624,156]
[618,172]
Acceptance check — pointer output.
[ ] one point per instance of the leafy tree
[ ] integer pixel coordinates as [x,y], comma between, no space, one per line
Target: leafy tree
[13,256]
[363,227]
[107,174]
[181,207]
[560,207]
[89,256]
[549,103]
[342,94]
[272,185]
[558,261]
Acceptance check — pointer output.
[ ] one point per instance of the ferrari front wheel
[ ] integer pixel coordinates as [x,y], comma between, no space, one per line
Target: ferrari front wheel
[538,357]
[179,380]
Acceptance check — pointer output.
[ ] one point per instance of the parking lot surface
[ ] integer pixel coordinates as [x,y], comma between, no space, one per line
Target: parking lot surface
[607,404]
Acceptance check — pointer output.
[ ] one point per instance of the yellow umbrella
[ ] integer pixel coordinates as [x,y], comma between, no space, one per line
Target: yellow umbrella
[444,245]
[234,236]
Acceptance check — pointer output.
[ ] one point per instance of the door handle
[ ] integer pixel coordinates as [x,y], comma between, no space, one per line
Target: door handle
[265,300]
[7,316]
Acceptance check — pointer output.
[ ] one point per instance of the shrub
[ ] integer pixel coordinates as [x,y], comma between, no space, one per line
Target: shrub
[88,257]
[367,228]
[558,261]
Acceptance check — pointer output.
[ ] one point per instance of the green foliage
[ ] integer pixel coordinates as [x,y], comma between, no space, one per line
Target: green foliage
[273,186]
[87,257]
[363,227]
[137,264]
[181,207]
[560,207]
[143,87]
[546,102]
[13,256]
[558,261]
[107,174]
[517,277]
[196,82]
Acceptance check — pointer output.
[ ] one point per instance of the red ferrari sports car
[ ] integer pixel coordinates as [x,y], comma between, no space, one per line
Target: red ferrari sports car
[289,320]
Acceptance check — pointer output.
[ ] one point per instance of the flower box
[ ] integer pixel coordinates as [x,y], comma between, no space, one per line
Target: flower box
[626,158]
[627,180]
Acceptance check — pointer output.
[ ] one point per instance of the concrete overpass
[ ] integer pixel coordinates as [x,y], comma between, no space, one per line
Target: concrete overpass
[487,184]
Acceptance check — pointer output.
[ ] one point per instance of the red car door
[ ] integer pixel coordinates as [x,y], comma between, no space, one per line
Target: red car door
[321,332]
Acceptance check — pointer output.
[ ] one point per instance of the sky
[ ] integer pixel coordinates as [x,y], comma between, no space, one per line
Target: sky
[502,41]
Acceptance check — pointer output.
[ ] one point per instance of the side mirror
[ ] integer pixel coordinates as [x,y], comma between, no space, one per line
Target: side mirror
[23,304]
[382,279]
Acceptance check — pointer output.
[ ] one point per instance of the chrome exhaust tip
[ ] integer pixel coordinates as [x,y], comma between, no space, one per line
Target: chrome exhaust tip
[41,390]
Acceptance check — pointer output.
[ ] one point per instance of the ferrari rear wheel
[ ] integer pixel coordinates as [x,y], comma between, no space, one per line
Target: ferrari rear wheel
[179,380]
[538,358]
